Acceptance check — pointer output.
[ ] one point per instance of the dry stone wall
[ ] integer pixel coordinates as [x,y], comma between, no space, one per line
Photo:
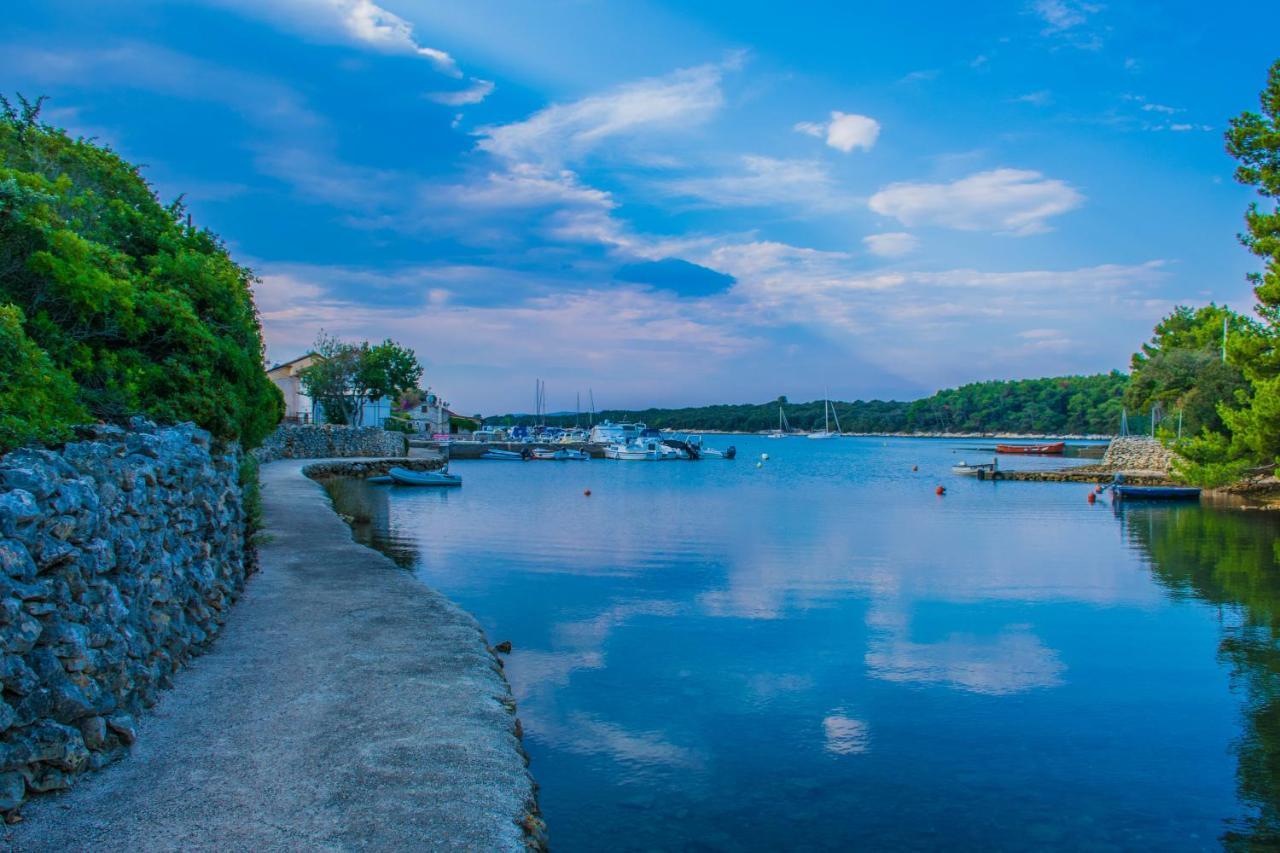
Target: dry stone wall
[326,441]
[121,555]
[1137,453]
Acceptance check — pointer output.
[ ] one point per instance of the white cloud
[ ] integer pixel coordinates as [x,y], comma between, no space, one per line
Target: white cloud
[1060,15]
[561,132]
[1009,201]
[762,181]
[356,21]
[845,131]
[473,94]
[1160,108]
[1014,661]
[1039,98]
[892,244]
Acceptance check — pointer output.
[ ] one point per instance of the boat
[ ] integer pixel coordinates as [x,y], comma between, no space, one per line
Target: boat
[695,449]
[783,426]
[982,469]
[506,455]
[564,454]
[649,447]
[827,411]
[381,479]
[1156,493]
[405,477]
[607,432]
[1050,449]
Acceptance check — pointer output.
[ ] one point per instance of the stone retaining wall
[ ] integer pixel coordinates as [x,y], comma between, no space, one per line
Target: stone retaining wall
[362,468]
[121,555]
[1137,453]
[326,441]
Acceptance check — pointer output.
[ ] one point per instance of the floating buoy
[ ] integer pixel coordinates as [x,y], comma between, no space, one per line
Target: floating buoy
[764,457]
[1093,497]
[759,464]
[587,492]
[915,467]
[941,490]
[1098,490]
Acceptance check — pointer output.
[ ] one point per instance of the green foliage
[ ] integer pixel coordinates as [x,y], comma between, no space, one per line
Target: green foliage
[388,370]
[1065,404]
[142,312]
[37,399]
[394,424]
[344,375]
[1181,368]
[333,380]
[251,489]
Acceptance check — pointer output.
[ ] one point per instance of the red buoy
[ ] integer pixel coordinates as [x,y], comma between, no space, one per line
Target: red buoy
[1093,497]
[941,490]
[587,492]
[915,467]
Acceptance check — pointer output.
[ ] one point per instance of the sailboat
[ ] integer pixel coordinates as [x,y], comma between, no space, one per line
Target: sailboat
[827,411]
[783,426]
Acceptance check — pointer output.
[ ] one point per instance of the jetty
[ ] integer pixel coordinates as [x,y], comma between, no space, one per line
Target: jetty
[345,705]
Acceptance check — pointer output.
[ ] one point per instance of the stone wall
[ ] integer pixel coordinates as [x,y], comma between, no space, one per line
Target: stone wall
[121,555]
[1137,453]
[326,441]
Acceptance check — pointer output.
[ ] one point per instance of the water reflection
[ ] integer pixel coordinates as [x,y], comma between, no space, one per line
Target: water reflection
[823,651]
[1231,559]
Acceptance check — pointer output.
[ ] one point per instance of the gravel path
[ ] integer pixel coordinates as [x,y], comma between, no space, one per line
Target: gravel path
[344,706]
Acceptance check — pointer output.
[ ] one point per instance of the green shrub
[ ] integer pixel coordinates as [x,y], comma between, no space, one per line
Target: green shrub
[141,312]
[37,400]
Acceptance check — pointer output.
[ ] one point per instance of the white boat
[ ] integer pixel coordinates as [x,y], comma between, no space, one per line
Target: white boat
[783,426]
[701,451]
[644,449]
[964,469]
[564,454]
[506,455]
[405,477]
[828,411]
[607,432]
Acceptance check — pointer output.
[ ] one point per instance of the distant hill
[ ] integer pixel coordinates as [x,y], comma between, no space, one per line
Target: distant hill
[1061,404]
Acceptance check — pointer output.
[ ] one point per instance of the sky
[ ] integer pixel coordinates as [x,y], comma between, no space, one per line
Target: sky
[685,203]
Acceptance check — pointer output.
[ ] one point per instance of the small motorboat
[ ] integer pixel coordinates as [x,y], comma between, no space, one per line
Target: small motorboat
[712,453]
[405,477]
[381,479]
[982,469]
[564,454]
[1051,449]
[505,455]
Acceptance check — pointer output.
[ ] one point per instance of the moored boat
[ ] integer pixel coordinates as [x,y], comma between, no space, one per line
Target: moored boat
[1049,449]
[1156,493]
[506,455]
[981,469]
[405,477]
[564,454]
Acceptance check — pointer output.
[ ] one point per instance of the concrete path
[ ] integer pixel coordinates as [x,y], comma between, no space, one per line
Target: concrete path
[344,706]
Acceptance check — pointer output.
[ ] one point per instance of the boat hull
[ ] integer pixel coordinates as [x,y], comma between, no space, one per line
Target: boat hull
[405,477]
[1157,493]
[1051,449]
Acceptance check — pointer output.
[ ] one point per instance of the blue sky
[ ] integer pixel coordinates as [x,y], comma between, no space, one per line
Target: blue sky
[675,203]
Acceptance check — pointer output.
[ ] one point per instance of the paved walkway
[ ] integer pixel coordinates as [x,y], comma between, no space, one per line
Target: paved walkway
[344,706]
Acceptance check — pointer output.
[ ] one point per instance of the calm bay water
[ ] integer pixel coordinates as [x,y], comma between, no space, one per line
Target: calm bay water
[822,653]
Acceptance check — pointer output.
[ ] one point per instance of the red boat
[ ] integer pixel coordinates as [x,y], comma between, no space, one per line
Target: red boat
[1039,449]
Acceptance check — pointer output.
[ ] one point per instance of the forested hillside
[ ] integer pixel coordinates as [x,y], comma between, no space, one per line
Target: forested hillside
[1064,404]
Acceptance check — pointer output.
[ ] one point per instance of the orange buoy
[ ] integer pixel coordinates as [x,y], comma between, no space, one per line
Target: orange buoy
[1098,490]
[941,490]
[587,492]
[1093,497]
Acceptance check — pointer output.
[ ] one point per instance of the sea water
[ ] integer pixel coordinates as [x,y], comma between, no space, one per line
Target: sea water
[819,652]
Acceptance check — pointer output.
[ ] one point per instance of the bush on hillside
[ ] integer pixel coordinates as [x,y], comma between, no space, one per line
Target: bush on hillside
[139,311]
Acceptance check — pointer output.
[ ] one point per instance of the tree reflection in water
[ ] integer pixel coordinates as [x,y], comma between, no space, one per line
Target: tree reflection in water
[1231,558]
